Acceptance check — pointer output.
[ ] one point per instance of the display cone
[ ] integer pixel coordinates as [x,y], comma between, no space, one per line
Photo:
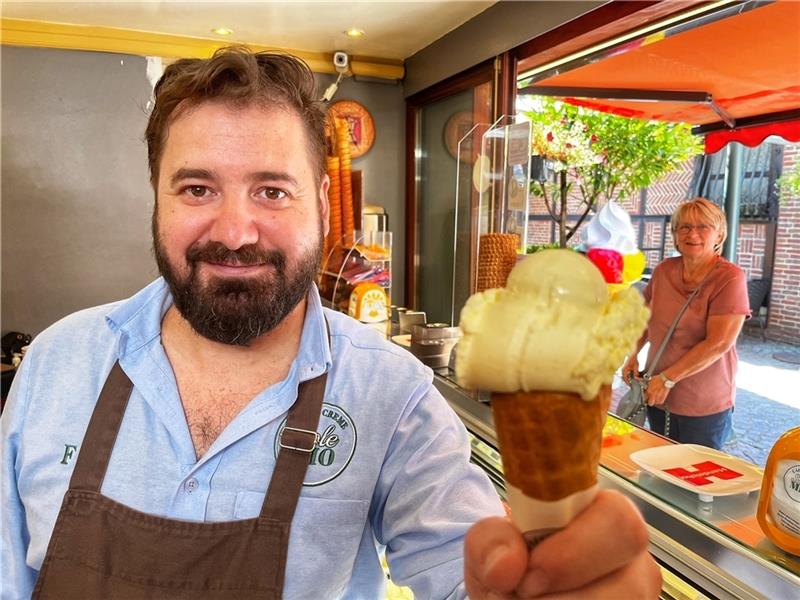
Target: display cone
[550,446]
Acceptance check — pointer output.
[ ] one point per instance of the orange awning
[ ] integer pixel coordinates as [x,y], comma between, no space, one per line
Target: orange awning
[748,63]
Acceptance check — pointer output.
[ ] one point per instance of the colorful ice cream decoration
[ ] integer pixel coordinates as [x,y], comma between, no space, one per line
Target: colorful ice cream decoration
[610,241]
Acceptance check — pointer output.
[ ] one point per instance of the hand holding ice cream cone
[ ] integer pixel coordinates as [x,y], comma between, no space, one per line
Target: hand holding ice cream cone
[603,553]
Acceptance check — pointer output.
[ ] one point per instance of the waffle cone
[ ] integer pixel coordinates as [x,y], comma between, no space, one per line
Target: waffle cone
[550,441]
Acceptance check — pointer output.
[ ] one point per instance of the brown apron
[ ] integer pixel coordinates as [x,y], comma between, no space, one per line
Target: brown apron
[101,549]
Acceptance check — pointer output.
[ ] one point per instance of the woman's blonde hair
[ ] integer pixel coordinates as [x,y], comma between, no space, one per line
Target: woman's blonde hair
[703,211]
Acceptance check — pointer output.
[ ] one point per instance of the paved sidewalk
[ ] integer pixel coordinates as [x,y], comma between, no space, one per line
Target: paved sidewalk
[767,398]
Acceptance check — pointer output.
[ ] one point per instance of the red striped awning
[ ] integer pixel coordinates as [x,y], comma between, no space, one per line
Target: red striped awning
[752,136]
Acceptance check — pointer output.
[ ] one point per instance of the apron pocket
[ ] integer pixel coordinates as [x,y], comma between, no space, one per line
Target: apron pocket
[325,537]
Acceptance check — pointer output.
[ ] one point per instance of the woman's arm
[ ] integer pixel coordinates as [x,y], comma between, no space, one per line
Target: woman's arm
[721,333]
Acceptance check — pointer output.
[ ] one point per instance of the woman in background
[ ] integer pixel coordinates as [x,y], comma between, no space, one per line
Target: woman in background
[695,378]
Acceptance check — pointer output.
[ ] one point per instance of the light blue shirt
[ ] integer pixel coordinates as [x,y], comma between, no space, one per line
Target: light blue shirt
[391,470]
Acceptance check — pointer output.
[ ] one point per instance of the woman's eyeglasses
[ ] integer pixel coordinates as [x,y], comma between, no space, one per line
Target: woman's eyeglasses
[701,228]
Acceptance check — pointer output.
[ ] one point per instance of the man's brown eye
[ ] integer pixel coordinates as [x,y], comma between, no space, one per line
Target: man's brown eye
[197,191]
[274,193]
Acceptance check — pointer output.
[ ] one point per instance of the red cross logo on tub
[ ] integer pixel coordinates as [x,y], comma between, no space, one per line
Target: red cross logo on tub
[702,473]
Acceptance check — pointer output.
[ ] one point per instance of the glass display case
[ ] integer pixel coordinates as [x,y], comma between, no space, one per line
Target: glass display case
[712,545]
[491,202]
[368,260]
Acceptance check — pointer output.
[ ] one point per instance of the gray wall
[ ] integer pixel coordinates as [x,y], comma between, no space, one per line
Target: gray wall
[75,198]
[383,165]
[500,27]
[76,202]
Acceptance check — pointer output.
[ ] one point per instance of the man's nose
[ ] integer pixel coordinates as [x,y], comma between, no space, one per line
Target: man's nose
[235,222]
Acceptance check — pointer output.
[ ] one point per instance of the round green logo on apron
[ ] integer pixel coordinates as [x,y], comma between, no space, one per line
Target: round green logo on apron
[334,448]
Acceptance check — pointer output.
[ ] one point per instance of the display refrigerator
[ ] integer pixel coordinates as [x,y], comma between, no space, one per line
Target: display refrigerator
[705,537]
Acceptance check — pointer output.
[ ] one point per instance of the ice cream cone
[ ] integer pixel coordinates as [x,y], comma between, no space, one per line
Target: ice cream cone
[547,346]
[550,443]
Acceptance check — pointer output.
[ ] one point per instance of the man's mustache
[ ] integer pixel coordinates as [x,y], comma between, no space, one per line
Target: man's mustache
[249,255]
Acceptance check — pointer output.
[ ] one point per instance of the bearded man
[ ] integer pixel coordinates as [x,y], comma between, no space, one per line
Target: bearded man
[221,435]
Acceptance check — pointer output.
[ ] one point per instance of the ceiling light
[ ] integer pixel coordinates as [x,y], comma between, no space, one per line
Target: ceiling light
[354,32]
[222,31]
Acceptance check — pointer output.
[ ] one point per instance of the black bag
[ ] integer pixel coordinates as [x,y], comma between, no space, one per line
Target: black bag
[632,406]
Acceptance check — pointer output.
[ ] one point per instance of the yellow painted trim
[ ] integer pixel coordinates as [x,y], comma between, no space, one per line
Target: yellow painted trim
[677,588]
[43,34]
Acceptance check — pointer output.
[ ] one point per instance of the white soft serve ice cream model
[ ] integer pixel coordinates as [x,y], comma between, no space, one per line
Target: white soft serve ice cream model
[547,346]
[610,242]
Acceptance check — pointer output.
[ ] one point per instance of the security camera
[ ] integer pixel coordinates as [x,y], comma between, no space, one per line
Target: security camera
[341,62]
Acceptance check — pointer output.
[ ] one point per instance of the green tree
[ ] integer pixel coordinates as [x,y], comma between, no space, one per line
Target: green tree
[604,155]
[790,182]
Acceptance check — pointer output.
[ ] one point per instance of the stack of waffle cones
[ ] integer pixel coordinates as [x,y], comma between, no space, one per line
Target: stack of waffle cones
[334,237]
[497,255]
[340,194]
[344,152]
[550,443]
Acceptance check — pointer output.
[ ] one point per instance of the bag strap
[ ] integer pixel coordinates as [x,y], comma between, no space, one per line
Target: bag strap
[649,373]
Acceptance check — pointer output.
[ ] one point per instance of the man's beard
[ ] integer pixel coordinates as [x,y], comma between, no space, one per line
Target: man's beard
[237,310]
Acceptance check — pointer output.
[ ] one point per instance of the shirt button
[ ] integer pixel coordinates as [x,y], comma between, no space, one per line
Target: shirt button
[191,485]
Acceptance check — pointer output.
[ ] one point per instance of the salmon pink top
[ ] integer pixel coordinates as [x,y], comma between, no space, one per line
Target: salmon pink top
[724,292]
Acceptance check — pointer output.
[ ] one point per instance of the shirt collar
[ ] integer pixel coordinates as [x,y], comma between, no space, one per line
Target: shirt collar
[137,321]
[314,356]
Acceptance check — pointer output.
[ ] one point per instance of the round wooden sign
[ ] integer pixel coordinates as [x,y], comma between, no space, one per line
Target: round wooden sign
[457,126]
[359,124]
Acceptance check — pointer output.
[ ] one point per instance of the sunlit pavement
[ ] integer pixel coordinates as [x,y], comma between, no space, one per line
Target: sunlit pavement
[767,398]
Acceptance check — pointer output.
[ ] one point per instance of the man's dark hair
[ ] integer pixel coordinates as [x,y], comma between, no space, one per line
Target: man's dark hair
[240,77]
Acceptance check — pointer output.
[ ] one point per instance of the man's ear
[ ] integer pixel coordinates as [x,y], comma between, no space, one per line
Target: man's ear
[324,204]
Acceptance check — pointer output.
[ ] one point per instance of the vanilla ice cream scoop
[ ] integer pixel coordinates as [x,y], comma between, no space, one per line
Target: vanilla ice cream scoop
[560,276]
[553,328]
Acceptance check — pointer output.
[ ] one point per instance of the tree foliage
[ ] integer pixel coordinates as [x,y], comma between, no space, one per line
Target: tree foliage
[604,155]
[790,182]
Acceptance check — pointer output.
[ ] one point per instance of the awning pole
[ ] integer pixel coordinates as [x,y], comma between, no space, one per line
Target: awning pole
[733,190]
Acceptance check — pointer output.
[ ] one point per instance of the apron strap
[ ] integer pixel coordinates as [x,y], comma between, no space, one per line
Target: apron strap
[296,441]
[97,444]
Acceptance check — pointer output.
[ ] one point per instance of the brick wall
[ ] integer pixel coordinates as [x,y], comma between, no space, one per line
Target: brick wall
[784,308]
[751,248]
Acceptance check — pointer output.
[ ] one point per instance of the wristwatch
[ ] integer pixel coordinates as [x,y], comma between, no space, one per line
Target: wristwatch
[668,383]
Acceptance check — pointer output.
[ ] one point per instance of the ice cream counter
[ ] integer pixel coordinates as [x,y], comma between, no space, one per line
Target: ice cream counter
[709,544]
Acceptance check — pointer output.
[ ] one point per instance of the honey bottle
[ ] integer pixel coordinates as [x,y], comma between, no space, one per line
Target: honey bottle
[779,502]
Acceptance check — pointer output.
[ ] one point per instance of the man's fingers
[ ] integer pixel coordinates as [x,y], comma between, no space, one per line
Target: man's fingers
[639,580]
[495,557]
[603,538]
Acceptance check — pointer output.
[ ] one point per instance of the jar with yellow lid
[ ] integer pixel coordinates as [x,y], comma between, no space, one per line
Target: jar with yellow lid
[779,503]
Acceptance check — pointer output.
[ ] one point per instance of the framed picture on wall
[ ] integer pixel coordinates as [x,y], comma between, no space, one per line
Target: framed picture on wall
[360,124]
